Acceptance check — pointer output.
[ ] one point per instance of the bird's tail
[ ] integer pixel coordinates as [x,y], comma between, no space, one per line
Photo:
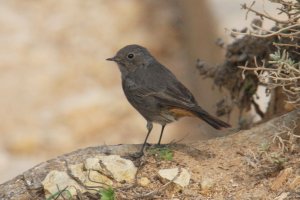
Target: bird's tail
[211,120]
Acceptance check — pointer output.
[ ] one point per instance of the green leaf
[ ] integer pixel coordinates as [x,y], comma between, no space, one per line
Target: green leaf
[163,153]
[59,193]
[107,194]
[275,56]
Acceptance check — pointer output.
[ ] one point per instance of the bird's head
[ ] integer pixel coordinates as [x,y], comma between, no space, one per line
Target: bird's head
[131,57]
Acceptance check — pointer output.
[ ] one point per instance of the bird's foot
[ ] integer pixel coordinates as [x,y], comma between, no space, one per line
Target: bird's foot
[137,155]
[158,145]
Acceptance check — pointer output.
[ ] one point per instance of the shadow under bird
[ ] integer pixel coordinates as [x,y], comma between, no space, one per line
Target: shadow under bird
[154,91]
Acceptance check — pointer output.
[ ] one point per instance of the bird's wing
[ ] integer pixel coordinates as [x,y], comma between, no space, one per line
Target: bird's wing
[164,86]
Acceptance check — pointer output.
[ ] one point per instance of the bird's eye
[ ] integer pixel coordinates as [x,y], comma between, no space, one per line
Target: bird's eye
[130,56]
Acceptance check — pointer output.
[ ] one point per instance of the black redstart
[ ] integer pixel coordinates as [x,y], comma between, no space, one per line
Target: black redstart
[155,92]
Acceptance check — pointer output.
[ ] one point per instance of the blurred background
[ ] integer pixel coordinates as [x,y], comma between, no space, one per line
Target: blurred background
[58,93]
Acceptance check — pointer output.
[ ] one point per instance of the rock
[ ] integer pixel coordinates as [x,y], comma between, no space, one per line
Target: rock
[144,181]
[207,184]
[282,196]
[92,164]
[113,165]
[183,179]
[295,183]
[56,181]
[93,173]
[89,178]
[281,178]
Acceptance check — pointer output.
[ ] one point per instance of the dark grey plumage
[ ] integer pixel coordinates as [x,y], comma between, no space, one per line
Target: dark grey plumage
[155,92]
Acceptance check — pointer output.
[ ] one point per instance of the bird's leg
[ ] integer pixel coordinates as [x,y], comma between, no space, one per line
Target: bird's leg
[161,134]
[149,127]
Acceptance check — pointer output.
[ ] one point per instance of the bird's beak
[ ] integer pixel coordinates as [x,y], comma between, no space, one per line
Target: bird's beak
[112,59]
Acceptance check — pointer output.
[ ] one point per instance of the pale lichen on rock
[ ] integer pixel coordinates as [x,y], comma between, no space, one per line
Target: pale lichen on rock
[179,176]
[57,181]
[94,172]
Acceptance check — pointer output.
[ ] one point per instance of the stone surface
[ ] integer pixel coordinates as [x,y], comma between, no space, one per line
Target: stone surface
[113,165]
[183,179]
[144,181]
[92,163]
[92,174]
[282,196]
[57,180]
[89,178]
[206,184]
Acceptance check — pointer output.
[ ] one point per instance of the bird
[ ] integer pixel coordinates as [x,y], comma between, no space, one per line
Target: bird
[155,92]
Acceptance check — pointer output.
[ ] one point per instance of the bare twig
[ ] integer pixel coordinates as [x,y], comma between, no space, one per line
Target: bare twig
[272,33]
[159,190]
[262,15]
